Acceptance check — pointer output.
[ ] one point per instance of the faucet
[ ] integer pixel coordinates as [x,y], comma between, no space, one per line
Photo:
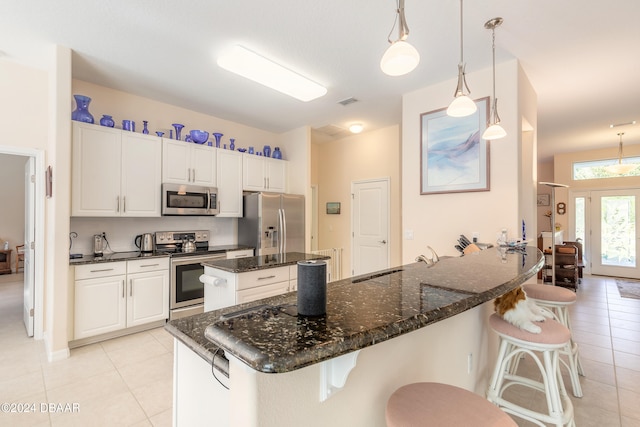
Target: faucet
[429,261]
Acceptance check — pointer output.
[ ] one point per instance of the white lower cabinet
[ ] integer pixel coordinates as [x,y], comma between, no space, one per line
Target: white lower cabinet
[244,253]
[118,295]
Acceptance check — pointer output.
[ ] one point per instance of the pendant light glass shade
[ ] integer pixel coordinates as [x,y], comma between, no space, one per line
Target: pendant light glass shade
[400,58]
[462,105]
[495,131]
[620,168]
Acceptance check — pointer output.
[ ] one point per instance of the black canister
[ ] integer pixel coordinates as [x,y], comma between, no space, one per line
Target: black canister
[312,288]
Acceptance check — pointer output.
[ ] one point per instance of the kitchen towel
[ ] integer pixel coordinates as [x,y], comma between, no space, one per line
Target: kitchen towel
[312,288]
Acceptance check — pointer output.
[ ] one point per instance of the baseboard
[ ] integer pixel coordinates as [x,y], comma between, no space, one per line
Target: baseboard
[53,356]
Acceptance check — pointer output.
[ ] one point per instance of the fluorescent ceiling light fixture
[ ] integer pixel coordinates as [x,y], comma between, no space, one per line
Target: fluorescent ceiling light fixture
[252,66]
[356,128]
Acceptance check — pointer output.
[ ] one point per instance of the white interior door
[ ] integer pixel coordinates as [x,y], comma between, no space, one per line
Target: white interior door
[29,233]
[614,249]
[370,226]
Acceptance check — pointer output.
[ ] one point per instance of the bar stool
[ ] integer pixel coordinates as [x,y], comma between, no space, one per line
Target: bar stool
[421,404]
[544,348]
[558,300]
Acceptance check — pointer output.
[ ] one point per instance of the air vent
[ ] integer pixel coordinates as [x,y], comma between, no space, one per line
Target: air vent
[347,101]
[333,131]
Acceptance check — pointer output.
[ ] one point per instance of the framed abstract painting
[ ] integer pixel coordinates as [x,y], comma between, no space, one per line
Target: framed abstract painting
[453,156]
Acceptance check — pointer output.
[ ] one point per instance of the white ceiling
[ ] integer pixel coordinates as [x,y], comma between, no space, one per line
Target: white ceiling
[581,56]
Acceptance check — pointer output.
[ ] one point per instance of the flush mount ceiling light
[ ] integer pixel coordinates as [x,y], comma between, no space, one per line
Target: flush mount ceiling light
[620,168]
[356,128]
[495,131]
[252,66]
[462,105]
[400,58]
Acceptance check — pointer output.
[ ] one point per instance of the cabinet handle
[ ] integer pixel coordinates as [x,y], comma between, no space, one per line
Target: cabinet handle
[240,256]
[117,203]
[130,287]
[265,182]
[104,269]
[268,183]
[123,289]
[124,204]
[149,265]
[194,175]
[188,174]
[268,277]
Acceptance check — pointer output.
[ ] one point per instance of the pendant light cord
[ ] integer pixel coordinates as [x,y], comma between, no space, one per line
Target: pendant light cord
[461,37]
[395,21]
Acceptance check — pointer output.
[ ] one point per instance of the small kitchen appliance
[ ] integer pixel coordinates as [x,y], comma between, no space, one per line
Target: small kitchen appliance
[178,199]
[98,245]
[144,242]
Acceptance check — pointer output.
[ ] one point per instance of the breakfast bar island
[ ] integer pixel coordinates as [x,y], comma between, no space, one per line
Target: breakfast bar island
[260,364]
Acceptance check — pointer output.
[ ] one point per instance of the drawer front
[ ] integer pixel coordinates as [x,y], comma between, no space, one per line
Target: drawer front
[148,264]
[293,272]
[240,254]
[258,278]
[254,294]
[92,271]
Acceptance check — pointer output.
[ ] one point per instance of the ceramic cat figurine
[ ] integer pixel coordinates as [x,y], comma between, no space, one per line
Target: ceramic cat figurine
[515,308]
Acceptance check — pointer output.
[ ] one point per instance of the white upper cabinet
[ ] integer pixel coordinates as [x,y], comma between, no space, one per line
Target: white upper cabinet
[188,163]
[114,173]
[264,174]
[229,177]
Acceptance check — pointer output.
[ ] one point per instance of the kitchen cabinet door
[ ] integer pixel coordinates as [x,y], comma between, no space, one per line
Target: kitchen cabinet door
[188,163]
[253,174]
[147,297]
[203,164]
[276,173]
[141,175]
[100,306]
[95,171]
[176,162]
[264,174]
[229,178]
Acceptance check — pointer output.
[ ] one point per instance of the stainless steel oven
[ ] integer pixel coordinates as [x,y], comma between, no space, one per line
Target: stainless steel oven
[188,250]
[187,291]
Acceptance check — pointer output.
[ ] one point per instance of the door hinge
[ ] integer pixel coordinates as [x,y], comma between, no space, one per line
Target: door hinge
[33,179]
[31,312]
[32,245]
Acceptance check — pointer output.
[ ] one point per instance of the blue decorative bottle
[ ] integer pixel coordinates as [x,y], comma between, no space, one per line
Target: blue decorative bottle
[277,154]
[107,121]
[81,113]
[266,150]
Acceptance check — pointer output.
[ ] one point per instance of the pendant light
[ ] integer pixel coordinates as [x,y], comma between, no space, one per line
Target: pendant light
[620,168]
[495,131]
[462,105]
[400,58]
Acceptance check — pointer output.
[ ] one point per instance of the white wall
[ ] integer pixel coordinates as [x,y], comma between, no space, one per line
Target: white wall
[437,220]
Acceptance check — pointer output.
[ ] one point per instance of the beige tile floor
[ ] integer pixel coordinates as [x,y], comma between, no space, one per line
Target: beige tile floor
[127,381]
[121,382]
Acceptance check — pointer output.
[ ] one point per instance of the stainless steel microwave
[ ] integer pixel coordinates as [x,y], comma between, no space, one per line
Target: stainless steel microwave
[179,199]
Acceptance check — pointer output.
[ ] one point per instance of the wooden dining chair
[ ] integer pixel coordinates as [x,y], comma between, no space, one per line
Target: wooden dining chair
[19,257]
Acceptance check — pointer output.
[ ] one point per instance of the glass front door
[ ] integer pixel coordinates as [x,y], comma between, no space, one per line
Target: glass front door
[615,233]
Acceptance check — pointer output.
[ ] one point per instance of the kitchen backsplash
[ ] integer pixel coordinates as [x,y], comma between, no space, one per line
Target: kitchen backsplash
[122,231]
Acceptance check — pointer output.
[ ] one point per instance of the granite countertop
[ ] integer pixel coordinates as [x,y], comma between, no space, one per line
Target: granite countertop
[361,311]
[133,255]
[242,265]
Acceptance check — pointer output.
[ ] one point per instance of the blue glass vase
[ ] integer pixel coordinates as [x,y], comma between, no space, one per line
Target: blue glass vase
[218,137]
[107,121]
[232,146]
[277,154]
[145,130]
[81,113]
[266,150]
[178,127]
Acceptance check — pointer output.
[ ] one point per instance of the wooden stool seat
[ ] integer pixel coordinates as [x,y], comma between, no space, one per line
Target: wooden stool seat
[435,404]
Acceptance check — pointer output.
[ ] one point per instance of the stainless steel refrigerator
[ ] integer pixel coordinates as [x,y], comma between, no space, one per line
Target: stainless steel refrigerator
[272,223]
